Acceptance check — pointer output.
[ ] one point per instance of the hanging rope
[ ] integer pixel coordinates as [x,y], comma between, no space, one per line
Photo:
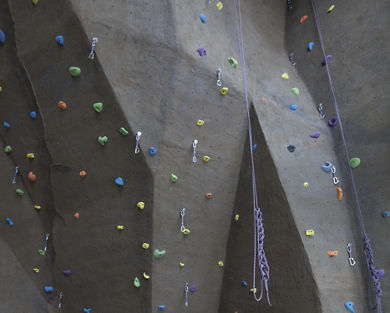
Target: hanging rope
[366,241]
[259,257]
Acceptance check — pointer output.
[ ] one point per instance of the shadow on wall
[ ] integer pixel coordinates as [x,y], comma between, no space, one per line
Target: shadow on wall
[291,283]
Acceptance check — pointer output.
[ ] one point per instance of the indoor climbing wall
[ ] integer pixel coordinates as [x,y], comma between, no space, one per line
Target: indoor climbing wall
[127,158]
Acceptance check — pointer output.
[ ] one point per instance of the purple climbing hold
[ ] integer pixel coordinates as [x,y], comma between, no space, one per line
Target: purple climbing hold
[192,288]
[2,37]
[380,273]
[333,121]
[315,135]
[67,273]
[201,51]
[327,59]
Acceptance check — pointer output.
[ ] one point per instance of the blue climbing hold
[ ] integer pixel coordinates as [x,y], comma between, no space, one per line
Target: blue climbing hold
[310,46]
[386,214]
[161,307]
[203,18]
[119,181]
[87,310]
[349,306]
[6,125]
[291,148]
[48,289]
[244,283]
[2,37]
[33,115]
[60,40]
[293,107]
[327,167]
[9,221]
[254,147]
[152,151]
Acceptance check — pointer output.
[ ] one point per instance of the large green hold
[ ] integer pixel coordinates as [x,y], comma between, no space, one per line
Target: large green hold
[74,71]
[98,106]
[137,284]
[123,131]
[354,162]
[295,91]
[159,254]
[19,192]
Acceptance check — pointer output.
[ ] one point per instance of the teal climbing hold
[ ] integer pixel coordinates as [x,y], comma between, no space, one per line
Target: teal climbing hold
[98,107]
[19,192]
[102,140]
[349,306]
[233,62]
[123,131]
[295,91]
[136,283]
[159,254]
[355,162]
[74,71]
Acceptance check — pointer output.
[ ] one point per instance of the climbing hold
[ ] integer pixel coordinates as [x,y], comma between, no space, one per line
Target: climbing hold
[152,151]
[309,232]
[333,121]
[83,174]
[192,288]
[181,265]
[77,215]
[87,310]
[236,217]
[220,263]
[146,276]
[9,221]
[7,149]
[253,290]
[41,252]
[37,207]
[224,91]
[315,135]
[326,60]
[102,140]
[1,89]
[306,184]
[339,193]
[120,227]
[291,148]
[123,131]
[31,177]
[330,8]
[161,307]
[36,270]
[303,18]
[33,115]
[67,273]
[19,192]
[60,40]
[119,181]
[293,107]
[233,62]
[74,71]
[35,2]
[201,51]
[159,254]
[244,283]
[219,5]
[62,105]
[285,76]
[141,205]
[30,155]
[136,283]
[295,91]
[200,122]
[327,167]
[186,231]
[98,107]
[386,214]
[206,158]
[2,37]
[310,46]
[174,178]
[355,162]
[48,289]
[6,125]
[349,306]
[380,273]
[203,18]
[254,147]
[145,245]
[209,195]
[333,253]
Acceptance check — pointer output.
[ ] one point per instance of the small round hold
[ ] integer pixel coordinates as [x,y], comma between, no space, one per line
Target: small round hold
[83,174]
[355,162]
[192,288]
[7,125]
[293,107]
[60,40]
[206,158]
[224,91]
[76,215]
[33,115]
[141,205]
[48,289]
[203,18]
[74,71]
[209,195]
[295,91]
[145,245]
[291,148]
[220,263]
[9,221]
[201,51]
[244,283]
[306,184]
[200,122]
[236,217]
[333,121]
[62,105]
[186,231]
[152,151]
[161,307]
[310,46]
[67,273]
[174,178]
[119,181]
[219,6]
[254,147]
[31,177]
[7,149]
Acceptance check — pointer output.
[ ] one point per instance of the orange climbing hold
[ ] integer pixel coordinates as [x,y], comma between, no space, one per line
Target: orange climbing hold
[339,193]
[62,105]
[83,174]
[333,253]
[209,195]
[77,215]
[31,177]
[303,18]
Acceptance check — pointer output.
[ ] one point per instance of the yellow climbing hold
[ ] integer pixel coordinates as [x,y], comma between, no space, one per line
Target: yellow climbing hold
[181,265]
[37,207]
[306,184]
[200,122]
[220,263]
[146,276]
[310,232]
[224,91]
[237,217]
[251,290]
[220,5]
[36,269]
[35,2]
[330,8]
[141,205]
[206,158]
[186,231]
[285,76]
[120,227]
[1,89]
[30,155]
[145,245]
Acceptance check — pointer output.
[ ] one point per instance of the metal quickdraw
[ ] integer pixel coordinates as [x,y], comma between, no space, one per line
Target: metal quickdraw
[351,260]
[186,291]
[319,108]
[335,179]
[16,173]
[137,138]
[219,81]
[92,54]
[183,229]
[194,143]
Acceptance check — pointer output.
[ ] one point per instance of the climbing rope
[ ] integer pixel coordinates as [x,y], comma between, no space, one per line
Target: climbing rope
[366,241]
[259,257]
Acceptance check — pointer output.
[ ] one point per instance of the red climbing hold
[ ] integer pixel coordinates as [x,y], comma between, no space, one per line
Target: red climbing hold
[62,105]
[31,177]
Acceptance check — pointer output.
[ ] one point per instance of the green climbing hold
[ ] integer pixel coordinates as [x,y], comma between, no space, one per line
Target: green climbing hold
[41,252]
[159,254]
[102,140]
[123,131]
[7,149]
[295,91]
[174,178]
[233,62]
[98,106]
[19,192]
[74,71]
[355,162]
[137,284]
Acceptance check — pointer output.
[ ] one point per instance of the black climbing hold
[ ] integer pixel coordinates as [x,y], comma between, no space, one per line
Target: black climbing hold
[291,148]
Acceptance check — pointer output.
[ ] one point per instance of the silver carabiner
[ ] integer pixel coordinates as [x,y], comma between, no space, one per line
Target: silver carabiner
[182,213]
[92,54]
[194,143]
[351,260]
[137,137]
[335,179]
[219,81]
[186,290]
[319,108]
